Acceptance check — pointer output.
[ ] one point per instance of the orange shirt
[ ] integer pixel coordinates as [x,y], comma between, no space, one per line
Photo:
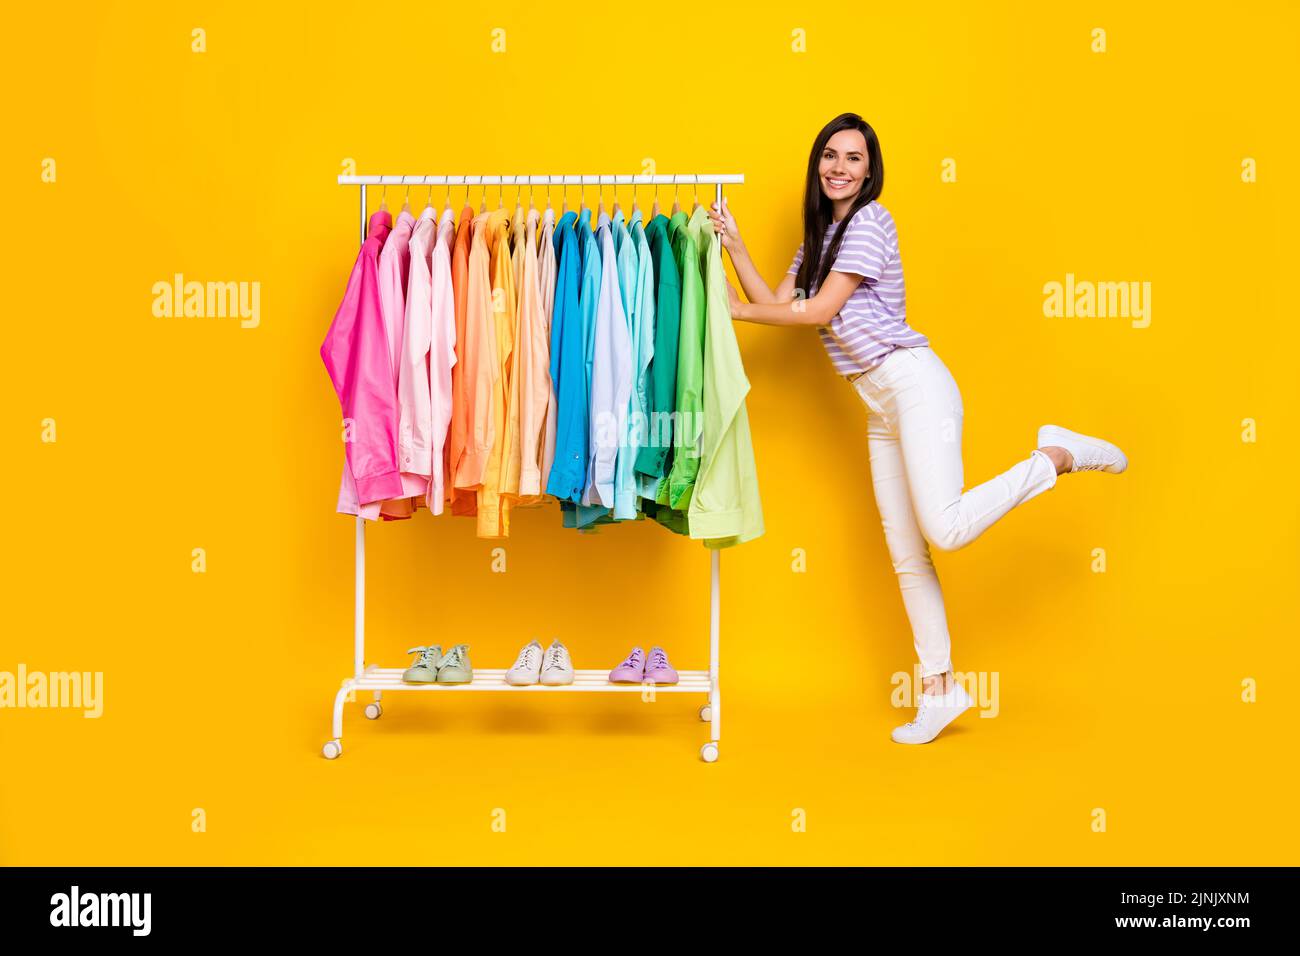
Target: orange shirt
[532,368]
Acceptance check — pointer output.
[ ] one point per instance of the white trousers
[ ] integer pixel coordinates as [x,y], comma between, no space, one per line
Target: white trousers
[914,440]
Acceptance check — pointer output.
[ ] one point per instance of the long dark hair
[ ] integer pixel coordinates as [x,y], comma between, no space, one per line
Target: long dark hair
[817,208]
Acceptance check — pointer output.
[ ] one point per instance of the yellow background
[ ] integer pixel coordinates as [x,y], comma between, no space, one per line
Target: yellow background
[1119,691]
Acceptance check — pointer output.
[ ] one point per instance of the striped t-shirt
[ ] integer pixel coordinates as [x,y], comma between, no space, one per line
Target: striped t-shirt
[873,322]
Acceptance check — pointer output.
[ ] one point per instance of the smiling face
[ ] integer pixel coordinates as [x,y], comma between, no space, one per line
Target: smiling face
[843,166]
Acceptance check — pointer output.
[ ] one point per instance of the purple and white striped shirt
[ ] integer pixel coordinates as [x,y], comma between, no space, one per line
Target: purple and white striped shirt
[873,322]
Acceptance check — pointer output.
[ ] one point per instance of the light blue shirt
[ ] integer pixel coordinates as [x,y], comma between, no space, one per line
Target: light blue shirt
[643,338]
[611,374]
[626,501]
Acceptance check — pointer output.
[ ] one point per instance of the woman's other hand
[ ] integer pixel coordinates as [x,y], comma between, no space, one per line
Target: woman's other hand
[737,304]
[725,226]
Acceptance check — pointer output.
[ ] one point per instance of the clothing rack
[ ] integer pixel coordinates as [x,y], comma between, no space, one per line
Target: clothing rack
[371,677]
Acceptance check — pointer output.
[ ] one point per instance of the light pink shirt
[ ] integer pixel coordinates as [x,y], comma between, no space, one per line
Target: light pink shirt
[415,427]
[442,356]
[394,267]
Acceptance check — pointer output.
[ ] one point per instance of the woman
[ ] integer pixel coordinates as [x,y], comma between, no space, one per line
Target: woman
[849,264]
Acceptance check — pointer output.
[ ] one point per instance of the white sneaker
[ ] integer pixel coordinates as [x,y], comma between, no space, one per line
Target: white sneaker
[1089,454]
[527,667]
[933,713]
[557,668]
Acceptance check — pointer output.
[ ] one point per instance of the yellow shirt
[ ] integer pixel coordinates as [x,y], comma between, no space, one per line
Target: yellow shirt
[493,511]
[532,370]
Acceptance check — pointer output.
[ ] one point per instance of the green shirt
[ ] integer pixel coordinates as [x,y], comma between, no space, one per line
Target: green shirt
[688,405]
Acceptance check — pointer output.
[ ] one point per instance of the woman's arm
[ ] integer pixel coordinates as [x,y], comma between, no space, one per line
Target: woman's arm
[819,310]
[756,289]
[780,307]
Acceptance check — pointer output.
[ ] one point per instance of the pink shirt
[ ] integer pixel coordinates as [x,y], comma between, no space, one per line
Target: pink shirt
[546,279]
[358,359]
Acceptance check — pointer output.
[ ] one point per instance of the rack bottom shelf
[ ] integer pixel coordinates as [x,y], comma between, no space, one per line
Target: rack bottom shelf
[390,678]
[382,679]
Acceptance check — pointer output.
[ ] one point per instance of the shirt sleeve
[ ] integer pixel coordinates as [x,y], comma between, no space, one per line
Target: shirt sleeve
[798,260]
[865,250]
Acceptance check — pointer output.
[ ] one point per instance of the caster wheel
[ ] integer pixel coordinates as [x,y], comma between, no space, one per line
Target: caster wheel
[709,752]
[706,713]
[374,711]
[332,749]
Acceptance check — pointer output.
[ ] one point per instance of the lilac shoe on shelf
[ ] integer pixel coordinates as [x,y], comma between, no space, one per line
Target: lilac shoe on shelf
[631,671]
[658,669]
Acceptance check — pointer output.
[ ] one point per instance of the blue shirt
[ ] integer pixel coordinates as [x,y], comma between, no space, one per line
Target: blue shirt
[568,367]
[580,515]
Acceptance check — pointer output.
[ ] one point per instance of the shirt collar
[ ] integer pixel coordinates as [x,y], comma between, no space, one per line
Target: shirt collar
[381,223]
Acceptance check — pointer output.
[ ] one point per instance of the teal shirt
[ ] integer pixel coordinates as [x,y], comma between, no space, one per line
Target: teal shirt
[643,334]
[654,456]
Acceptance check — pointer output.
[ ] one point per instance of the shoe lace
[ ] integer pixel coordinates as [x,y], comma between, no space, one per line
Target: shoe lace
[658,658]
[633,659]
[527,657]
[555,656]
[920,711]
[455,657]
[427,656]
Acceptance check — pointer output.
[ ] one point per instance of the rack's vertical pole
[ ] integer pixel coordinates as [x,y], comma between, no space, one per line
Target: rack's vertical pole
[715,606]
[359,623]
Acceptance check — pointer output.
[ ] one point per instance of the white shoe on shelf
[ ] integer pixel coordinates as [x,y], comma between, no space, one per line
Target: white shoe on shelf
[527,667]
[557,668]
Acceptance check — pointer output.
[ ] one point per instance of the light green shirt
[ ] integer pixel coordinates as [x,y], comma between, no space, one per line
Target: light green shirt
[724,508]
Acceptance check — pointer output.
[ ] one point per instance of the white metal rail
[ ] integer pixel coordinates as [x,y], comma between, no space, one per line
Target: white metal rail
[376,679]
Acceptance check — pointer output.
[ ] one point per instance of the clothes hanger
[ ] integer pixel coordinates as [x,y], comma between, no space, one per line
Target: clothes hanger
[697,193]
[482,201]
[600,197]
[635,207]
[655,210]
[383,199]
[406,201]
[677,205]
[447,206]
[616,206]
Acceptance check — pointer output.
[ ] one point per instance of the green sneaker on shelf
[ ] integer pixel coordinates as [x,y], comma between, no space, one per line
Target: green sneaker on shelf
[454,667]
[425,668]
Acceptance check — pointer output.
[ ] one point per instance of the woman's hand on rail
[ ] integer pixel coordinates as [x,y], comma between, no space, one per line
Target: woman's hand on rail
[726,227]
